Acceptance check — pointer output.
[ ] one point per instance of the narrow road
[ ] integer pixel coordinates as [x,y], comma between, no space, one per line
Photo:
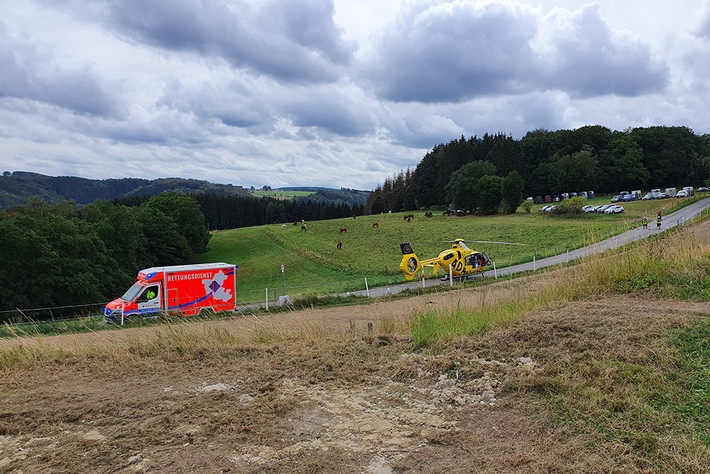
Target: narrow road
[674,219]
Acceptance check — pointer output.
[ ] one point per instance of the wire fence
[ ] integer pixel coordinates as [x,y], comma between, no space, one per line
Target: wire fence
[267,297]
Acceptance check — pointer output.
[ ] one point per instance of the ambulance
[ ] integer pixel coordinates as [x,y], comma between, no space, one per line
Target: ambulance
[180,289]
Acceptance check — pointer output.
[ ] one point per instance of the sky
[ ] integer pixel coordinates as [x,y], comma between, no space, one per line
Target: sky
[333,93]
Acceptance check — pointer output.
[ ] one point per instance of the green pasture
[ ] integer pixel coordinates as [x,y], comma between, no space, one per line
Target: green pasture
[313,264]
[282,194]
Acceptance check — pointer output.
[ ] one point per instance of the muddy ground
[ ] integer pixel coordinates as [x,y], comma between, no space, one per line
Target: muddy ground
[315,391]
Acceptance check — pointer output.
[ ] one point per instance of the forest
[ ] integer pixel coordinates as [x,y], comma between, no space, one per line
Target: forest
[483,174]
[230,212]
[60,254]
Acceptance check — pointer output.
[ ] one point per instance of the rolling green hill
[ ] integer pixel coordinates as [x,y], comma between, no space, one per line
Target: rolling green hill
[313,264]
[18,187]
[351,197]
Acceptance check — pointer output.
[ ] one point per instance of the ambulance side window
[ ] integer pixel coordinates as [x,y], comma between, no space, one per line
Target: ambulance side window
[150,293]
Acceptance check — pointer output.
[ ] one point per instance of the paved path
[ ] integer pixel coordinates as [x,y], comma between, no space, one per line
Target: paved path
[671,220]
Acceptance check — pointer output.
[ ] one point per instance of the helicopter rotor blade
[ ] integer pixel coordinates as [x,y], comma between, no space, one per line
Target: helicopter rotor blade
[491,242]
[464,240]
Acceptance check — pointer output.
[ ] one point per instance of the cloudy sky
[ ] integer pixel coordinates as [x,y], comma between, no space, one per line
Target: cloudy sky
[336,93]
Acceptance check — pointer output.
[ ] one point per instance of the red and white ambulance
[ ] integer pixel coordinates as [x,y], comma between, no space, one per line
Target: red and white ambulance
[180,289]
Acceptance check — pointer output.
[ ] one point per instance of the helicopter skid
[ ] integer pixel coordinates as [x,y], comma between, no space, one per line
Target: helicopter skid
[464,277]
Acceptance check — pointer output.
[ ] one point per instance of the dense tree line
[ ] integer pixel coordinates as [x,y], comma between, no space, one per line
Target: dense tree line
[588,158]
[229,212]
[62,255]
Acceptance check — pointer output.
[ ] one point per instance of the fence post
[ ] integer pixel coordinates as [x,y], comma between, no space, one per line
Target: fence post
[495,272]
[267,299]
[367,288]
[451,276]
[534,265]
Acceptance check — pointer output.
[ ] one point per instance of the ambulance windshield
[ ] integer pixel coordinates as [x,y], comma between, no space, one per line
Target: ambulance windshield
[132,292]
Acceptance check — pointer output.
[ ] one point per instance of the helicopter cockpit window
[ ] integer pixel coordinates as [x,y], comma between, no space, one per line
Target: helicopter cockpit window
[449,256]
[477,260]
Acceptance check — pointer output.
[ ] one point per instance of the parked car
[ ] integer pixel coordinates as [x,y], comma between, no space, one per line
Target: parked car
[602,208]
[617,198]
[616,209]
[588,208]
[647,196]
[703,189]
[629,197]
[682,194]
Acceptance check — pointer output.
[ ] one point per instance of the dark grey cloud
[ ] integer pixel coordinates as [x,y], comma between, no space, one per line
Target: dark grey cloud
[340,112]
[29,71]
[704,30]
[448,53]
[459,51]
[289,41]
[232,103]
[589,60]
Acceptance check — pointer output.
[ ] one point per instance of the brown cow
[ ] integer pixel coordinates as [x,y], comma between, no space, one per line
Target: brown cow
[375,225]
[343,229]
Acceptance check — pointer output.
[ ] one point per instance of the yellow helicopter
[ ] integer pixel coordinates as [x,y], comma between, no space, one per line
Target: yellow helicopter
[460,260]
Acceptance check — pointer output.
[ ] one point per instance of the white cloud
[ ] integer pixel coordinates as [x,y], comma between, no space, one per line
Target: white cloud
[329,92]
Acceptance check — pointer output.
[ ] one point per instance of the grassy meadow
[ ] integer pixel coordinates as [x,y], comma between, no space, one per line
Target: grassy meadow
[281,194]
[313,264]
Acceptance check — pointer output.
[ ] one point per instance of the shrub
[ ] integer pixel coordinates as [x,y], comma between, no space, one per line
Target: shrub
[571,206]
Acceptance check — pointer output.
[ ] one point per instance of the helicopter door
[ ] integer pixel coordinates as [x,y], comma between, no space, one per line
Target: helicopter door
[478,260]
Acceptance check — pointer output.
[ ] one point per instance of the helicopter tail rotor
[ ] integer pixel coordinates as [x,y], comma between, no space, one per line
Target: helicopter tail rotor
[410,264]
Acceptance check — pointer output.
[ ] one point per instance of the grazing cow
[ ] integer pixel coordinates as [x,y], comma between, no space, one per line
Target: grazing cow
[283,226]
[375,225]
[409,217]
[304,226]
[339,246]
[343,229]
[428,214]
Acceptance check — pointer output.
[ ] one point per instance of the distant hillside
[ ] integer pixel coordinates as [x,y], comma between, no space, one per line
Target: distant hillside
[18,187]
[351,197]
